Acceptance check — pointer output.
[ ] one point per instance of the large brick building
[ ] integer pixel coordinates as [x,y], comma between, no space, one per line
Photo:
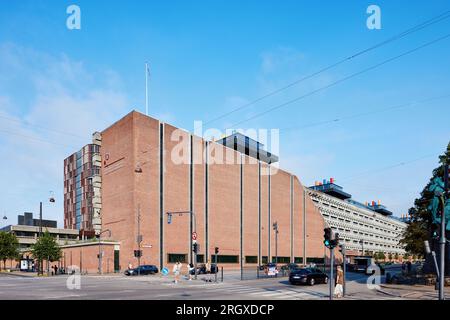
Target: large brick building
[150,169]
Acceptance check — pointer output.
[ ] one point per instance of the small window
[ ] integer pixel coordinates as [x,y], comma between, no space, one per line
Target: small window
[227,259]
[174,257]
[251,259]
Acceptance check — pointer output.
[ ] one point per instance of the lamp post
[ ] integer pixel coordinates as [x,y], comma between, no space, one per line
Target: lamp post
[194,220]
[51,200]
[100,253]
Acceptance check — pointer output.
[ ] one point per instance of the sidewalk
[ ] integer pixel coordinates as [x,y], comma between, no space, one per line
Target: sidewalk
[417,287]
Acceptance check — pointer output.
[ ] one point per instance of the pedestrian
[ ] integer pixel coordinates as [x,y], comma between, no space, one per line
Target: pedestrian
[130,266]
[56,270]
[409,266]
[208,270]
[176,271]
[191,271]
[339,288]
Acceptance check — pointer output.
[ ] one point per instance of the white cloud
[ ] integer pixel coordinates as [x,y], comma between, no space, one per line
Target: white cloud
[63,95]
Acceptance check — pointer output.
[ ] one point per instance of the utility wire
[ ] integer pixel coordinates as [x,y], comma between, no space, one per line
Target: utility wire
[416,28]
[363,114]
[40,127]
[400,164]
[342,80]
[36,139]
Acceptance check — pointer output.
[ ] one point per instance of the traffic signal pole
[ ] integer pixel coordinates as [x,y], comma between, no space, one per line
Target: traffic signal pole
[344,258]
[331,273]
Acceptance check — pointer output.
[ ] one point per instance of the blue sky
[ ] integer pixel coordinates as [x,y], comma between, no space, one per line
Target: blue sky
[209,57]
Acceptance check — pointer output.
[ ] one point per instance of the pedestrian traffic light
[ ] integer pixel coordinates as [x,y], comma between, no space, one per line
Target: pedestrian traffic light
[216,250]
[327,237]
[195,247]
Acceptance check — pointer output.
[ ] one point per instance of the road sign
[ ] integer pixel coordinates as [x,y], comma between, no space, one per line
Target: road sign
[194,235]
[147,246]
[165,271]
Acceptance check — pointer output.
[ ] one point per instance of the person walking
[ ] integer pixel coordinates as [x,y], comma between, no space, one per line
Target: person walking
[339,288]
[176,271]
[208,270]
[191,271]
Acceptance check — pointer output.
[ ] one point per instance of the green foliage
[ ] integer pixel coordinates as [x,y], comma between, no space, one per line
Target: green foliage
[9,247]
[375,256]
[420,225]
[381,255]
[390,256]
[46,248]
[396,256]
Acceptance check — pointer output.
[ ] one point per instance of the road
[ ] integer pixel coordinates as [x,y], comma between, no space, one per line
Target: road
[120,287]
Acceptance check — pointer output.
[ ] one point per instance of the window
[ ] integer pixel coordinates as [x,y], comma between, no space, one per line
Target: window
[264,259]
[251,259]
[174,257]
[298,260]
[201,258]
[314,260]
[227,259]
[281,259]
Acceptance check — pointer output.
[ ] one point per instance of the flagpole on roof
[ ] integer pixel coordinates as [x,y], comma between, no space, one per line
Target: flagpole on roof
[146,88]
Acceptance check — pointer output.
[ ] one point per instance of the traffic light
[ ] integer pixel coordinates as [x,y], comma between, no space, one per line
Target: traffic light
[137,253]
[334,239]
[327,237]
[195,247]
[331,238]
[216,250]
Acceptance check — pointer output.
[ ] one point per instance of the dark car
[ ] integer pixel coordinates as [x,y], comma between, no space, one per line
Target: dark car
[142,270]
[202,269]
[309,276]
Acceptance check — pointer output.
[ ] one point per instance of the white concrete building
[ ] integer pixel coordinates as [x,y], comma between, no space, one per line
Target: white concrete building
[362,227]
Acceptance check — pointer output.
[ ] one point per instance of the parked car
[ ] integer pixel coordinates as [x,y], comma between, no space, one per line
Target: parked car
[201,269]
[309,276]
[142,270]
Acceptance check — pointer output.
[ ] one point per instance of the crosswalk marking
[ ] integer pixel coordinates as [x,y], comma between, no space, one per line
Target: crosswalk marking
[261,292]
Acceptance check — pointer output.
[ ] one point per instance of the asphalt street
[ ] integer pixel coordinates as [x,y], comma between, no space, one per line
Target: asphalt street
[120,287]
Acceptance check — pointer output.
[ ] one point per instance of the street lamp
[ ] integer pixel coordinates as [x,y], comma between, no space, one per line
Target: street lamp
[51,200]
[194,220]
[100,252]
[275,228]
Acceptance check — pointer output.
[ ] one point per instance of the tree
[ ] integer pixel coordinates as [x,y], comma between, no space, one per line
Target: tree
[396,256]
[46,248]
[9,247]
[420,225]
[381,255]
[390,256]
[376,257]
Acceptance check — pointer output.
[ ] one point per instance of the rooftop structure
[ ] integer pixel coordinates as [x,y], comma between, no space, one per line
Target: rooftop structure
[248,146]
